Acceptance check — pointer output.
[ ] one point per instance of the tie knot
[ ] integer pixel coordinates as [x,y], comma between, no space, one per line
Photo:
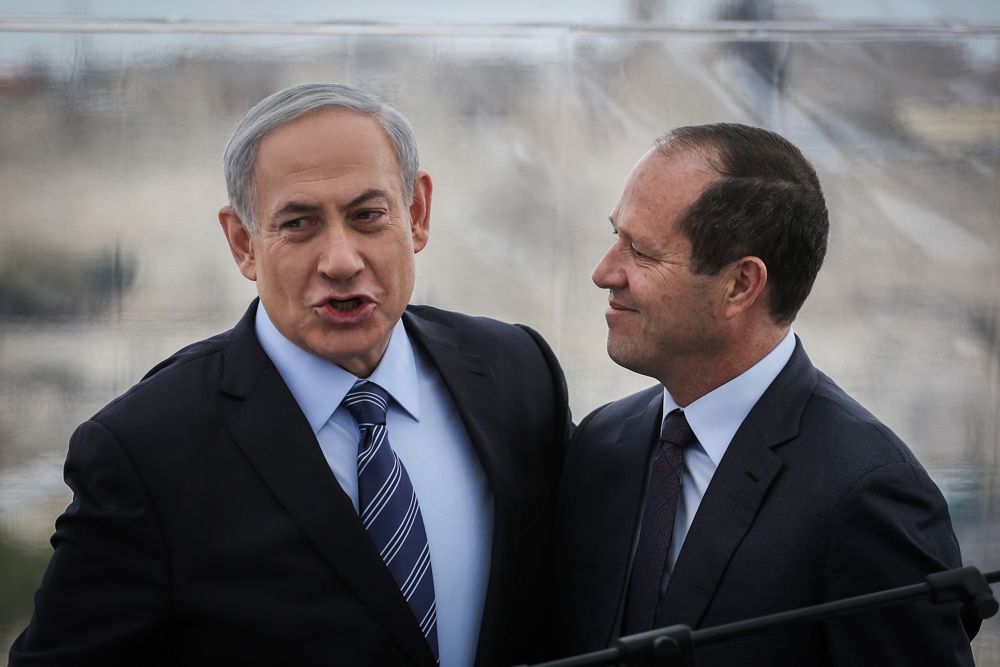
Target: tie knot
[367,402]
[676,430]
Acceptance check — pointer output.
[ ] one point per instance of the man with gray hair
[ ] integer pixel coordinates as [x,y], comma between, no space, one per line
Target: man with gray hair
[342,478]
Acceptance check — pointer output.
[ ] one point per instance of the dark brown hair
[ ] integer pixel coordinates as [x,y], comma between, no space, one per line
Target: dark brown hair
[767,203]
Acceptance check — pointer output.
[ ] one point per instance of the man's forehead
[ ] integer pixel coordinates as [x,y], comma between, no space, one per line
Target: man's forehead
[327,134]
[330,146]
[659,190]
[681,163]
[673,180]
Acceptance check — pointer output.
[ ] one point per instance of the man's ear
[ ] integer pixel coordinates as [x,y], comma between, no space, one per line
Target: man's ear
[747,279]
[240,242]
[420,210]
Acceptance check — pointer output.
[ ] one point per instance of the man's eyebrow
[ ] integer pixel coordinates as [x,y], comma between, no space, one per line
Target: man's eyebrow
[370,193]
[296,207]
[300,207]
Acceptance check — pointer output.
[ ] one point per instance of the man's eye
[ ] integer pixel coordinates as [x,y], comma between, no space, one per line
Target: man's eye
[298,223]
[636,253]
[369,215]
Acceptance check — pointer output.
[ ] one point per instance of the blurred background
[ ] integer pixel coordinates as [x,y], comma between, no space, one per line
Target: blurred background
[529,114]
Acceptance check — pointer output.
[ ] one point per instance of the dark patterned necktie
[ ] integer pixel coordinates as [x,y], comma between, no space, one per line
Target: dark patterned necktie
[389,510]
[666,473]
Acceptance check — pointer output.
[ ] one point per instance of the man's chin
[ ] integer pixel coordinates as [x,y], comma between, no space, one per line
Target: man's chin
[620,353]
[629,356]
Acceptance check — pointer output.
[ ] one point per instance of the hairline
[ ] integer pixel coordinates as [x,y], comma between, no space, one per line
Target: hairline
[717,155]
[290,104]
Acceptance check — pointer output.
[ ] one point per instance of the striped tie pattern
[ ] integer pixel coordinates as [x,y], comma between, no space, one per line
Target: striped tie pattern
[666,473]
[389,509]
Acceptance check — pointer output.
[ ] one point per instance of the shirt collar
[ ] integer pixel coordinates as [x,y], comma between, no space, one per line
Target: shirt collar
[319,386]
[715,417]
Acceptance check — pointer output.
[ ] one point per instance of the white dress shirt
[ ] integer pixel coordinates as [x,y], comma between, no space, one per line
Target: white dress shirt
[714,418]
[426,432]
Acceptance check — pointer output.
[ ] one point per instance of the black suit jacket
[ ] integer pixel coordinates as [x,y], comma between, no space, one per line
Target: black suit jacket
[814,500]
[207,528]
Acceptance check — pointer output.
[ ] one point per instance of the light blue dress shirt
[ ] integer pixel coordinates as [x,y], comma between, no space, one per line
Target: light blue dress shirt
[426,432]
[715,418]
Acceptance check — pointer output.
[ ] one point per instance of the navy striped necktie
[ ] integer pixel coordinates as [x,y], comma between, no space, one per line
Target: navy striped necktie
[389,510]
[666,473]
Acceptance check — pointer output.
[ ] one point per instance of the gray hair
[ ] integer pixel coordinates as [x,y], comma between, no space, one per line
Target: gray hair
[285,106]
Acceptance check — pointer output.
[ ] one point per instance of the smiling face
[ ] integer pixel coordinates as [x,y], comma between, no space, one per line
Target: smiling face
[663,319]
[332,251]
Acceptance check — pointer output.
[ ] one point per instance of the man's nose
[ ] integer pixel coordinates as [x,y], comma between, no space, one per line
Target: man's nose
[608,273]
[340,257]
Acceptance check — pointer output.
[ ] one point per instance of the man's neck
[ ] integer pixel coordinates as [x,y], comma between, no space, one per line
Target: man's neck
[697,376]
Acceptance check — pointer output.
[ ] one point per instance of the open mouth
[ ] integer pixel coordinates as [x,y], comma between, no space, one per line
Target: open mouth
[347,312]
[346,304]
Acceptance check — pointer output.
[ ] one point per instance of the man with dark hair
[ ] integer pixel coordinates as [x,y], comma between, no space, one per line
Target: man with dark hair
[342,478]
[746,482]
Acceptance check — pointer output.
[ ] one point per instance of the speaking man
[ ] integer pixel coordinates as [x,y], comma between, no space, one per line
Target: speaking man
[746,482]
[341,479]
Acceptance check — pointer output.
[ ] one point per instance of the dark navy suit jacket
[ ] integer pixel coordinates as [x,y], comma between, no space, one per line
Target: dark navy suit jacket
[815,500]
[207,528]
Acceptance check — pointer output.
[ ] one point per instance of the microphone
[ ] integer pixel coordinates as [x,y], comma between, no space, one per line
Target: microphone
[675,645]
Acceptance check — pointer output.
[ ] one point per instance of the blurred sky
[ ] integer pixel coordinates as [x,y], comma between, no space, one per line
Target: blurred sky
[480,11]
[64,49]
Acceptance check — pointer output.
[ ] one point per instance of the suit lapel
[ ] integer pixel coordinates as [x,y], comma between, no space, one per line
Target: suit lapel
[473,388]
[725,515]
[735,494]
[622,464]
[620,523]
[273,433]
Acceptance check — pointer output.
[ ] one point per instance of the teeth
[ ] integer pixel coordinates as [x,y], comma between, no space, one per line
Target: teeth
[349,304]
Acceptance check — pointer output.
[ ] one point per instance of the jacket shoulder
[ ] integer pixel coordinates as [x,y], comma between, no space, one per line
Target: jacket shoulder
[474,325]
[858,432]
[182,377]
[614,413]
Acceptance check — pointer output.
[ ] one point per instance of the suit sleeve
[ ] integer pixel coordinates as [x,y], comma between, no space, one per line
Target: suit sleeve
[893,530]
[564,417]
[535,601]
[103,594]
